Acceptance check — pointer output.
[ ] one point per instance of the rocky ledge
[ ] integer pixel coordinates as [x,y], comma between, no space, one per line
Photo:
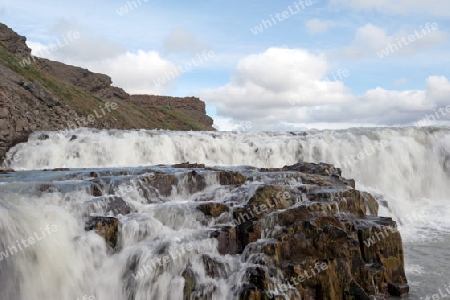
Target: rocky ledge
[304,223]
[297,232]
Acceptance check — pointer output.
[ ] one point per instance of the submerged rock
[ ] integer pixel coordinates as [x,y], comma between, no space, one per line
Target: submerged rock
[106,227]
[6,170]
[107,205]
[188,165]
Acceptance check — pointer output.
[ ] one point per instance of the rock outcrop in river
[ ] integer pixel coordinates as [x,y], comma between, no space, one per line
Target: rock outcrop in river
[301,231]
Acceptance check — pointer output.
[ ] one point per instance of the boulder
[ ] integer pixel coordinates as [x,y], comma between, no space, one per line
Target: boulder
[106,227]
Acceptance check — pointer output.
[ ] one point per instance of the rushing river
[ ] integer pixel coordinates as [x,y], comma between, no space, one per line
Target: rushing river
[407,169]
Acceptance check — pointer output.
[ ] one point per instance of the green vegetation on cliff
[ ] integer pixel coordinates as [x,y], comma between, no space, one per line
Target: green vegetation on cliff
[127,116]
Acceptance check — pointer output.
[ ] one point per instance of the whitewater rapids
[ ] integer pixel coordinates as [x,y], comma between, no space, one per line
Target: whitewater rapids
[406,163]
[407,169]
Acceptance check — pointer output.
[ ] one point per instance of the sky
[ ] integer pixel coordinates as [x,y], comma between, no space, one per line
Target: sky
[260,65]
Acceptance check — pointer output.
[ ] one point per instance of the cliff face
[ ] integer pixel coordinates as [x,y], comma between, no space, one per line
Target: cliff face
[191,106]
[39,94]
[97,84]
[13,42]
[27,106]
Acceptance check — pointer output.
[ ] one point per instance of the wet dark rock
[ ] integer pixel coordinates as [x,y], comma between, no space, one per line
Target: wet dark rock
[357,292]
[213,209]
[352,183]
[96,190]
[196,182]
[6,170]
[47,188]
[213,267]
[93,174]
[231,178]
[247,232]
[190,282]
[117,205]
[107,205]
[227,238]
[256,276]
[60,169]
[312,168]
[330,223]
[279,230]
[398,290]
[106,227]
[187,165]
[163,183]
[43,137]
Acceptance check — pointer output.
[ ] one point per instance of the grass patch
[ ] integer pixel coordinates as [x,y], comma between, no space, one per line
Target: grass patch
[127,116]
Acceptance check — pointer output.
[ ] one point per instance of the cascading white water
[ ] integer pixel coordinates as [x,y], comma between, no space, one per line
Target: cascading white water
[409,167]
[68,263]
[405,163]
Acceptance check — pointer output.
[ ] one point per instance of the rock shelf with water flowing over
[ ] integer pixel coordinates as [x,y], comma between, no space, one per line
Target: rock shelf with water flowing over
[187,231]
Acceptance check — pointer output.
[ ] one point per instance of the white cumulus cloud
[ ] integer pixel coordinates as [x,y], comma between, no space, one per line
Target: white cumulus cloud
[136,73]
[371,40]
[264,85]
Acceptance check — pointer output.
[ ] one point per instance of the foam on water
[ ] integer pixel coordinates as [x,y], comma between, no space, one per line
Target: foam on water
[409,165]
[408,168]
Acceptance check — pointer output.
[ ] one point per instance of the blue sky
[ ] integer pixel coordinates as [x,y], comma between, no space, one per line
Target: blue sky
[276,79]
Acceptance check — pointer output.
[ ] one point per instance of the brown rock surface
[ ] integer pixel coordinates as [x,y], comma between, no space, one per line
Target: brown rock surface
[97,84]
[331,224]
[106,227]
[13,42]
[315,237]
[191,106]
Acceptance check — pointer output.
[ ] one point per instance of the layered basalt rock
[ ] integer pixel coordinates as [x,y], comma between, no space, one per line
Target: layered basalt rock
[301,231]
[13,42]
[100,85]
[191,106]
[323,219]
